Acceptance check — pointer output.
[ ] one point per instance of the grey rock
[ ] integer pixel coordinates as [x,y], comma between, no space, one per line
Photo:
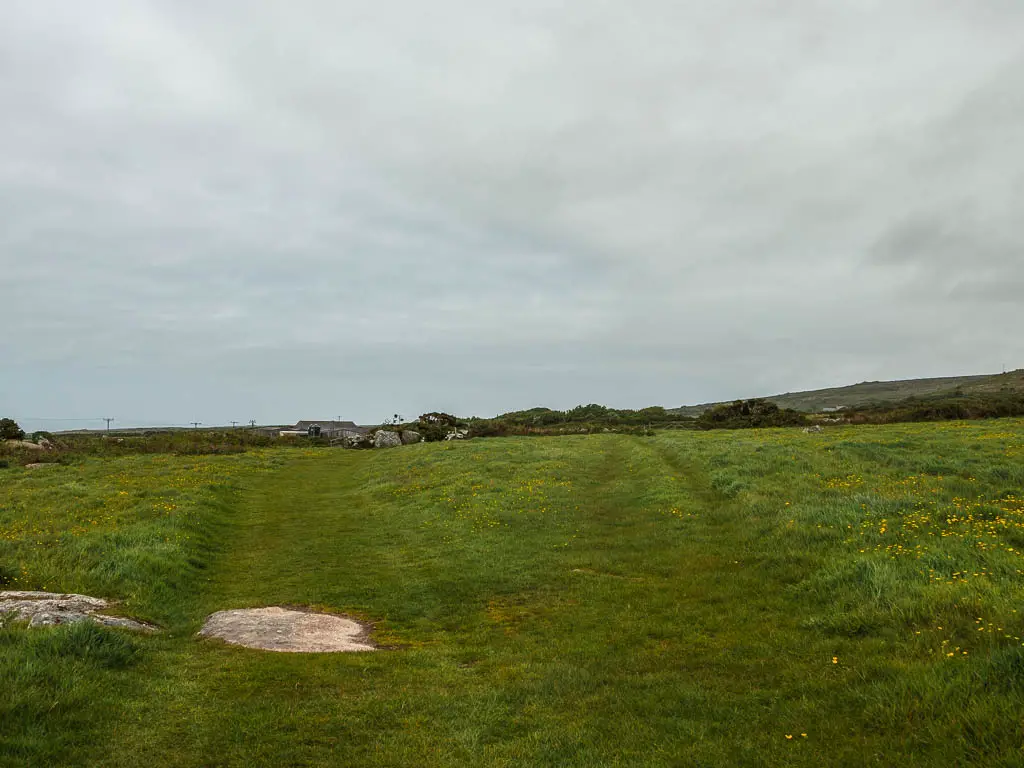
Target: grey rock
[122,623]
[57,601]
[812,430]
[47,609]
[24,444]
[288,630]
[411,436]
[351,439]
[385,439]
[47,619]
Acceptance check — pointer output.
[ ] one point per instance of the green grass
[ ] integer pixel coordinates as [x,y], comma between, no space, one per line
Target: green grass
[686,599]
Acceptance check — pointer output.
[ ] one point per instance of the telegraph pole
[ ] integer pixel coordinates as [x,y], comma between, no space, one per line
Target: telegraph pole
[252,423]
[195,424]
[234,424]
[108,422]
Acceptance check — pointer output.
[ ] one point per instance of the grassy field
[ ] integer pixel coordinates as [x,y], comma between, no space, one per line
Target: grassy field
[761,598]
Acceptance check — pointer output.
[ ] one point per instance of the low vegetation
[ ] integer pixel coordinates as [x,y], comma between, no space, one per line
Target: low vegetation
[746,414]
[68,448]
[987,405]
[757,597]
[583,419]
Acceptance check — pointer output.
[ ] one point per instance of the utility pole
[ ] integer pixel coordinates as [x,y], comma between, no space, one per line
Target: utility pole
[195,424]
[234,424]
[252,423]
[108,422]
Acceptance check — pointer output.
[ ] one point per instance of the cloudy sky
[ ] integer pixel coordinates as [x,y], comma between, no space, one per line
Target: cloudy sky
[223,210]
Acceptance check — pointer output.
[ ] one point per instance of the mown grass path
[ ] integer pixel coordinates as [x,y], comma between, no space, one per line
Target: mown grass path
[592,604]
[562,615]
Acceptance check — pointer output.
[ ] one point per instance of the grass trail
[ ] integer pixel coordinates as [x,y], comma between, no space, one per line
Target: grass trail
[570,602]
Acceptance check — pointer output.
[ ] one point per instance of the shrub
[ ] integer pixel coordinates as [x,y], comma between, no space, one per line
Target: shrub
[750,413]
[941,408]
[434,426]
[9,430]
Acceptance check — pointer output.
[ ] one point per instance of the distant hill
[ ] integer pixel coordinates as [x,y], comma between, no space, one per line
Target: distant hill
[871,392]
[1006,383]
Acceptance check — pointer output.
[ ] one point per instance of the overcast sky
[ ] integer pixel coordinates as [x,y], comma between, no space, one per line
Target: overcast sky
[223,210]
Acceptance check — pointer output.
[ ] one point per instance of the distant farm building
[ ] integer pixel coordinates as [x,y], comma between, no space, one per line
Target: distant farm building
[324,428]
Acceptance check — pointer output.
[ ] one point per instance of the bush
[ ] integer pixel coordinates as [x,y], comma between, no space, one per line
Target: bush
[9,430]
[941,408]
[750,413]
[435,426]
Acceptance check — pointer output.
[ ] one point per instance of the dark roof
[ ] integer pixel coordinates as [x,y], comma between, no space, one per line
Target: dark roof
[303,426]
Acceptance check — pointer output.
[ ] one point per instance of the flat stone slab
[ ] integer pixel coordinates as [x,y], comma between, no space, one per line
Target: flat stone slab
[288,631]
[47,609]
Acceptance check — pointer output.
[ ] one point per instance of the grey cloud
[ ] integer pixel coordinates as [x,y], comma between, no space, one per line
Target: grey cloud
[653,202]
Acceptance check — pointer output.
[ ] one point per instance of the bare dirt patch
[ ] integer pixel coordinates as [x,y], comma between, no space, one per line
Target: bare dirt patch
[288,631]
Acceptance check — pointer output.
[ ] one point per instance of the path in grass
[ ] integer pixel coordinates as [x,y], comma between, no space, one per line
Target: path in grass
[576,601]
[581,601]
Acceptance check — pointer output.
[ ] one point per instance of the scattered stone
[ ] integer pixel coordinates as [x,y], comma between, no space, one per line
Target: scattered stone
[26,444]
[122,623]
[40,465]
[47,609]
[386,439]
[47,619]
[814,429]
[61,601]
[457,434]
[352,439]
[288,631]
[411,436]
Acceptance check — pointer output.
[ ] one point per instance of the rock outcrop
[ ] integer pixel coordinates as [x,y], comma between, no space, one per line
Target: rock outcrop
[350,439]
[44,609]
[30,446]
[411,436]
[386,439]
[288,631]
